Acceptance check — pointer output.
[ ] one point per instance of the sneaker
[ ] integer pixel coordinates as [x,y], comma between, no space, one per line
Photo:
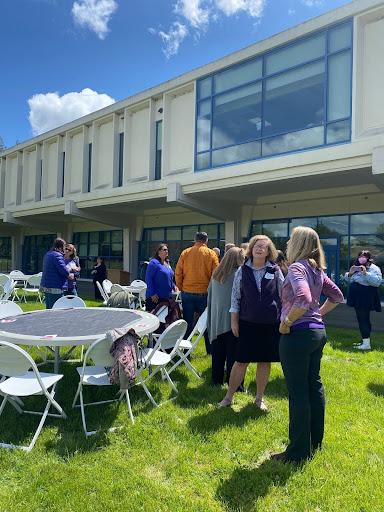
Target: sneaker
[364,346]
[260,404]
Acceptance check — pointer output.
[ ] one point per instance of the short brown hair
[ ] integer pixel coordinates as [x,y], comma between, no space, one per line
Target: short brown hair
[272,251]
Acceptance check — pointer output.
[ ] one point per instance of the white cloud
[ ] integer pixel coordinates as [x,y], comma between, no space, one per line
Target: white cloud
[172,39]
[252,7]
[312,3]
[94,15]
[194,16]
[193,12]
[47,111]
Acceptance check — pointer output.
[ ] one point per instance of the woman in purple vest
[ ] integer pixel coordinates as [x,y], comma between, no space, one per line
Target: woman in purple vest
[302,341]
[255,313]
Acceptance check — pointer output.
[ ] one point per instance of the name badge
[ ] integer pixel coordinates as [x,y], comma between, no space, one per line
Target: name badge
[269,276]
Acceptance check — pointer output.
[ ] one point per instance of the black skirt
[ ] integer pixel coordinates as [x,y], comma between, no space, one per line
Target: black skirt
[364,297]
[258,343]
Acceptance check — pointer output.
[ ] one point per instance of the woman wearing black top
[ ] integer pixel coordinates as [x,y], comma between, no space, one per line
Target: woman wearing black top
[99,274]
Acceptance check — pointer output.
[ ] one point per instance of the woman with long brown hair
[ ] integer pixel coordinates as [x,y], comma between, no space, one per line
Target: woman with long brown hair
[223,342]
[255,312]
[302,341]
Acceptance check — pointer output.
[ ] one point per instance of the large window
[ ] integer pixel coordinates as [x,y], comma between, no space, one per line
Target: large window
[108,244]
[5,254]
[33,251]
[290,99]
[178,238]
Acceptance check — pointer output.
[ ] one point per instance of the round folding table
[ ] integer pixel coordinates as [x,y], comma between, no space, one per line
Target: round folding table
[57,328]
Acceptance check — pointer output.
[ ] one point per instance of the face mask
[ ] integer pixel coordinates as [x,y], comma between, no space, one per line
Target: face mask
[362,260]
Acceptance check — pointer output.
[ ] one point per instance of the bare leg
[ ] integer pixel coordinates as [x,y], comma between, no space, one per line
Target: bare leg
[236,378]
[263,371]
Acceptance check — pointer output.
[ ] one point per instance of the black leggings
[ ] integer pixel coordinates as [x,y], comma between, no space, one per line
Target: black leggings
[364,321]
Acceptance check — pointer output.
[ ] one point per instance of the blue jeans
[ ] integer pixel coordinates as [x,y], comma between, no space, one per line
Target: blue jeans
[71,292]
[194,303]
[51,298]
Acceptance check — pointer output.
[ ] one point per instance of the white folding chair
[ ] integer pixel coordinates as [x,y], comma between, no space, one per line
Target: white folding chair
[187,346]
[102,293]
[9,308]
[155,357]
[69,302]
[97,375]
[107,285]
[9,288]
[32,286]
[24,379]
[141,287]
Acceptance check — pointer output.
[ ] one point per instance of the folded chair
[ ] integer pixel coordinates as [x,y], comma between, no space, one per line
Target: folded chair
[24,379]
[97,375]
[102,293]
[186,347]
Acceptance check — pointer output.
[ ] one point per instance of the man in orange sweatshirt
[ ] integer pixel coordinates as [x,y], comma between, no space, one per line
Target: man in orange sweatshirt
[193,273]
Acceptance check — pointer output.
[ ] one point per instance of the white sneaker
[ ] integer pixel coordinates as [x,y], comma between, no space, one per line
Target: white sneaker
[366,345]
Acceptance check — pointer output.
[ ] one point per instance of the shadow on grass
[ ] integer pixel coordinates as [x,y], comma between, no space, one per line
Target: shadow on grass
[217,419]
[276,388]
[247,485]
[376,389]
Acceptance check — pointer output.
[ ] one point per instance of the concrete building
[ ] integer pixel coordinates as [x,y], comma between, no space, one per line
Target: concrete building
[288,131]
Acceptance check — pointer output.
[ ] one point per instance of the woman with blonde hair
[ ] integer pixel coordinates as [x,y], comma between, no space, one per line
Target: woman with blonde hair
[302,341]
[219,319]
[255,312]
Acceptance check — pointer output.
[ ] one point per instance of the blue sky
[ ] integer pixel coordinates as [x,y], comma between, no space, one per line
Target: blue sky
[61,59]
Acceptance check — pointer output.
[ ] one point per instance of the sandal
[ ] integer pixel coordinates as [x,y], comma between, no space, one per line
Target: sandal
[260,404]
[226,402]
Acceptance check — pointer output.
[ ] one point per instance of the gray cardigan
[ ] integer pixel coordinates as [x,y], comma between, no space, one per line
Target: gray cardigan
[219,303]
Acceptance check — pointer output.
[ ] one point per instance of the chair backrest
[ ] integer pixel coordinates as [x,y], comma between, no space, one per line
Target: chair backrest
[69,302]
[15,361]
[99,353]
[33,281]
[201,324]
[8,287]
[139,284]
[16,273]
[162,314]
[9,308]
[107,285]
[172,336]
[102,292]
[4,279]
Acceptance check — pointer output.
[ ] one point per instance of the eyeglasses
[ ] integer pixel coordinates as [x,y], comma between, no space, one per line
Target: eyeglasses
[164,249]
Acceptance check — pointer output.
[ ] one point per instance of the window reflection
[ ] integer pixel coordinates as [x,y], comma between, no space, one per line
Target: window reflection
[367,223]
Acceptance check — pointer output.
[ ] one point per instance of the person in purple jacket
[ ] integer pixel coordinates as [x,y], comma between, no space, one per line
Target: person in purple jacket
[159,278]
[302,341]
[55,273]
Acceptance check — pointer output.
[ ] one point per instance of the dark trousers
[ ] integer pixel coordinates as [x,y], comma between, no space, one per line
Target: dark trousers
[194,303]
[364,321]
[300,354]
[51,298]
[223,354]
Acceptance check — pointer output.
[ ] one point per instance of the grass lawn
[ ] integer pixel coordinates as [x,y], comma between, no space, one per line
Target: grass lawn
[187,455]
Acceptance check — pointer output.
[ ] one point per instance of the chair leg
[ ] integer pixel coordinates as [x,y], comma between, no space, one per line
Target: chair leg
[76,395]
[147,392]
[40,426]
[87,434]
[129,405]
[170,380]
[5,399]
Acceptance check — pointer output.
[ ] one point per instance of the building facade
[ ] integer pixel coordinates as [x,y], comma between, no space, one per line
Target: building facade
[288,131]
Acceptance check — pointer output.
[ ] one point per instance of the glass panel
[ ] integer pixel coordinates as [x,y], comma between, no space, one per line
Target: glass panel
[204,88]
[256,228]
[203,161]
[302,51]
[210,229]
[116,236]
[238,75]
[189,232]
[293,141]
[173,234]
[294,100]
[203,134]
[237,116]
[276,228]
[367,223]
[222,231]
[93,249]
[339,86]
[309,222]
[94,237]
[332,225]
[157,235]
[116,249]
[240,153]
[340,37]
[339,132]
